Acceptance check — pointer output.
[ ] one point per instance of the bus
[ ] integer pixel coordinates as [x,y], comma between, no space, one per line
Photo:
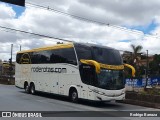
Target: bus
[77,70]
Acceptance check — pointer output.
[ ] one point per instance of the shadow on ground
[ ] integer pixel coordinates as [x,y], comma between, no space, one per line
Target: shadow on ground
[97,104]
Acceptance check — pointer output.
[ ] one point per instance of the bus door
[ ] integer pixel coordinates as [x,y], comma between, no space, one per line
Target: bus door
[53,83]
[88,76]
[25,71]
[62,83]
[68,80]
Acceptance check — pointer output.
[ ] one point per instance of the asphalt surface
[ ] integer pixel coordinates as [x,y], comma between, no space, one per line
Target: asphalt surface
[15,99]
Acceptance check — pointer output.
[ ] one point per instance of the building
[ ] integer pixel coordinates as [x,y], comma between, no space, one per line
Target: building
[143,62]
[5,69]
[140,61]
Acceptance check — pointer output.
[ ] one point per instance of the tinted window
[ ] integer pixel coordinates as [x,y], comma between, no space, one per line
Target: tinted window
[88,75]
[18,57]
[23,58]
[107,56]
[110,79]
[83,52]
[35,58]
[66,55]
[41,57]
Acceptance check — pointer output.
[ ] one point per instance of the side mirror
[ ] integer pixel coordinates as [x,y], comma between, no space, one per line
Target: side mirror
[132,68]
[92,62]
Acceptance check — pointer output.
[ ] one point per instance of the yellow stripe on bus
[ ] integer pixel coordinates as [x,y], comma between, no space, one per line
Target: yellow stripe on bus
[132,68]
[59,46]
[92,62]
[112,67]
[98,66]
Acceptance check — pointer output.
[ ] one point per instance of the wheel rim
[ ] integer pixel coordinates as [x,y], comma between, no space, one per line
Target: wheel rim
[32,90]
[26,88]
[74,96]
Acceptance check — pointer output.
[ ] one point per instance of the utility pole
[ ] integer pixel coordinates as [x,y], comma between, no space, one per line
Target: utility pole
[20,47]
[11,51]
[10,63]
[146,71]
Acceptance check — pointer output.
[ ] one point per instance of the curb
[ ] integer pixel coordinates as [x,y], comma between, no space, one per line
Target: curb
[141,103]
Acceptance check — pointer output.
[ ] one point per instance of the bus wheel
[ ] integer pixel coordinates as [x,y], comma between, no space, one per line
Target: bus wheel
[26,87]
[32,89]
[74,95]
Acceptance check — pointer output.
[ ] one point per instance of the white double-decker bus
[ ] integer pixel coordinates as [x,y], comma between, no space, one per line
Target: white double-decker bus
[77,70]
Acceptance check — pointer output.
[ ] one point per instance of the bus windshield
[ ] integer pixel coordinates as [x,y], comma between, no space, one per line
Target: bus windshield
[107,56]
[110,79]
[106,79]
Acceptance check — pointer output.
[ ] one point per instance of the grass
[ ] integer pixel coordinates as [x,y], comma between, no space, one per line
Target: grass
[151,91]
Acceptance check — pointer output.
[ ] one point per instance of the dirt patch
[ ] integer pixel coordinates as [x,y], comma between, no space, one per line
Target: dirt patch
[7,81]
[147,100]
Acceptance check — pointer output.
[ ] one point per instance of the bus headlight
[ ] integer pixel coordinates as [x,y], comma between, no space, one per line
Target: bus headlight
[123,92]
[101,93]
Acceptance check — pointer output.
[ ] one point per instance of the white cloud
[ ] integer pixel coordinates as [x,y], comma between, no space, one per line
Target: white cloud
[6,12]
[117,12]
[131,12]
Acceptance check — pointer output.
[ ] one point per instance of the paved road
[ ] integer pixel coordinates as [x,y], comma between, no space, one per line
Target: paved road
[15,99]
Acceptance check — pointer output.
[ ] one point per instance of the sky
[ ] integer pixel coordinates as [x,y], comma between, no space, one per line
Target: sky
[138,20]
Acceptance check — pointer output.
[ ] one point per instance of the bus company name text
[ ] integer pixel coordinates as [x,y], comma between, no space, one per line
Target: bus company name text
[49,69]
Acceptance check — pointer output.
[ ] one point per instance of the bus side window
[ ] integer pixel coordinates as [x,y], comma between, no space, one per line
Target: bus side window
[18,57]
[56,57]
[35,58]
[88,75]
[41,57]
[69,56]
[66,55]
[83,52]
[45,56]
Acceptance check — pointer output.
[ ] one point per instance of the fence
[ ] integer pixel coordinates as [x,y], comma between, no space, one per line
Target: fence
[140,82]
[7,80]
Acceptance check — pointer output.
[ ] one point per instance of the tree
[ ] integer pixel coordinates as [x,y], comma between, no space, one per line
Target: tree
[135,57]
[136,52]
[155,65]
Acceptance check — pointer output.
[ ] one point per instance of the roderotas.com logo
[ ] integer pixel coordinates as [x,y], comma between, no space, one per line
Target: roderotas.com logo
[49,69]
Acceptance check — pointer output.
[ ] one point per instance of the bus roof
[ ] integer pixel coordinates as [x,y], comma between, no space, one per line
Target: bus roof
[94,45]
[57,46]
[64,45]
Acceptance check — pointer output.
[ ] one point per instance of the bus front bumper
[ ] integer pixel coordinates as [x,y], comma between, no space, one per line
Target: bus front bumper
[100,97]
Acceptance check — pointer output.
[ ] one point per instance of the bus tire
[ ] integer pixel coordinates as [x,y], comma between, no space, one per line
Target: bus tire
[26,87]
[32,89]
[73,95]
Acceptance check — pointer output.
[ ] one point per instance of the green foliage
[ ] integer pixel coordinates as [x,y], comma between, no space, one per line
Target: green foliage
[135,56]
[151,91]
[155,65]
[136,49]
[143,92]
